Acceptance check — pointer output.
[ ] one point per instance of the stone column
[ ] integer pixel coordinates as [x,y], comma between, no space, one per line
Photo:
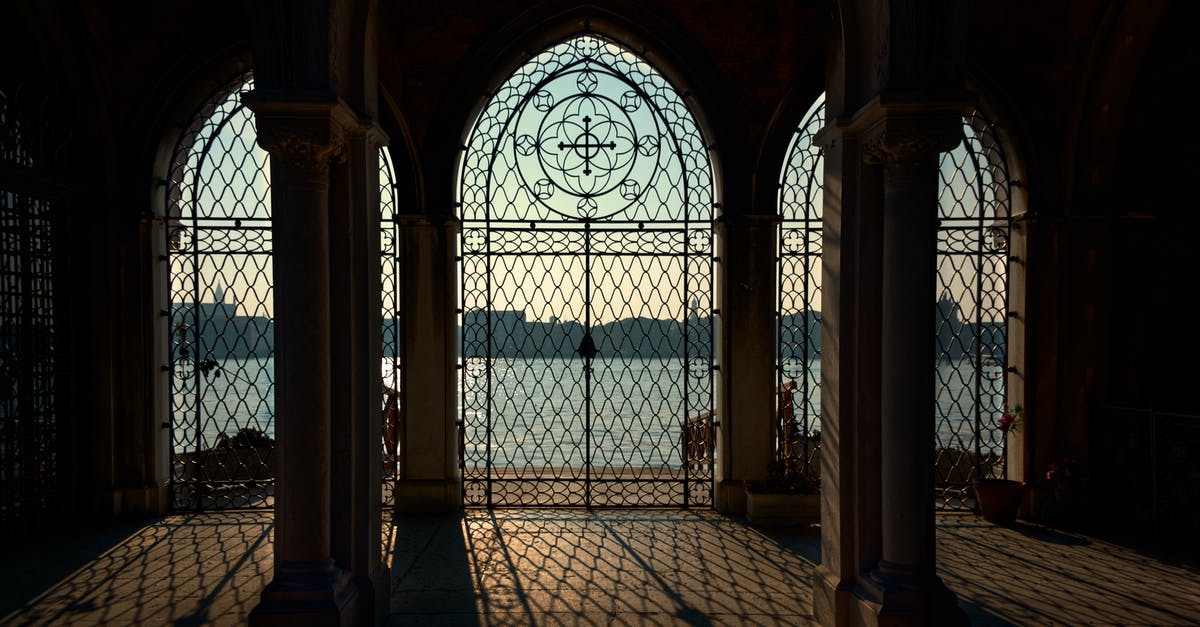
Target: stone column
[429,479]
[302,136]
[850,320]
[745,354]
[907,144]
[356,345]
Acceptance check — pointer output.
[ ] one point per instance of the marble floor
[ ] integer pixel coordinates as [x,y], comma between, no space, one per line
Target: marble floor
[608,567]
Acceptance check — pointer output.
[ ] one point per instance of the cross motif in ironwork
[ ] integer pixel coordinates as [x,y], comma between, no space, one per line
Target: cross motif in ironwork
[589,147]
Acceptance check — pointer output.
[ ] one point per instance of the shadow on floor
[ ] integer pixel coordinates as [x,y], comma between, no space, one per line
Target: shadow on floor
[1028,574]
[181,570]
[529,567]
[522,567]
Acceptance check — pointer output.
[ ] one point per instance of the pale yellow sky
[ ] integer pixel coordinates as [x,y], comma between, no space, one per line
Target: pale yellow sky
[238,188]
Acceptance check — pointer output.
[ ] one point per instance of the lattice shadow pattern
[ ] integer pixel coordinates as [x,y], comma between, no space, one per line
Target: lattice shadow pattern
[504,567]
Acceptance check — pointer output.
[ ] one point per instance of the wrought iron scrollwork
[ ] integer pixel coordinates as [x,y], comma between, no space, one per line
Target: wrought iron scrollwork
[392,274]
[974,231]
[586,200]
[798,386]
[33,468]
[220,328]
[972,304]
[220,321]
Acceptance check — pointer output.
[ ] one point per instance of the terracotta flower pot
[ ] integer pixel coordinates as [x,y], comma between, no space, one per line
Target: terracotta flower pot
[999,499]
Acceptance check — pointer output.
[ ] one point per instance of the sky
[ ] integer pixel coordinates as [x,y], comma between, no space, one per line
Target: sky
[552,167]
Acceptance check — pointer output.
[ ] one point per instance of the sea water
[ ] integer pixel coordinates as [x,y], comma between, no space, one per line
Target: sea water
[539,414]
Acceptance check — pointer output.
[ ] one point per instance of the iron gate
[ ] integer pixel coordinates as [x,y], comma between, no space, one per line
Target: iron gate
[798,316]
[220,318]
[35,464]
[971,313]
[392,320]
[220,322]
[974,229]
[586,268]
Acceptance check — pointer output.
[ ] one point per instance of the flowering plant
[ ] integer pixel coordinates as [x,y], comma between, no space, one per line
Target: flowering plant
[1011,420]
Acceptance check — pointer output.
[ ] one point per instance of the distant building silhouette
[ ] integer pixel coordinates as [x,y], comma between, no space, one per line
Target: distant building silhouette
[216,331]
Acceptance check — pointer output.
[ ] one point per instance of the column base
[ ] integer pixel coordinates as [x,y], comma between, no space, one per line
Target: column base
[374,595]
[901,595]
[427,496]
[831,598]
[307,594]
[730,497]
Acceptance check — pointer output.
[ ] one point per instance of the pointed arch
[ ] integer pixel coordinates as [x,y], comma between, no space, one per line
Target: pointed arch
[971,320]
[220,354]
[216,275]
[586,194]
[973,264]
[798,293]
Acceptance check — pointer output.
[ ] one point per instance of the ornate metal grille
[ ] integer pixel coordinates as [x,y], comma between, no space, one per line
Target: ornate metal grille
[798,343]
[32,466]
[972,310]
[586,199]
[390,260]
[220,320]
[972,306]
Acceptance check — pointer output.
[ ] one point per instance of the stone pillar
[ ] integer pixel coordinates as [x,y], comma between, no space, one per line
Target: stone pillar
[429,479]
[850,321]
[356,344]
[906,141]
[302,136]
[745,354]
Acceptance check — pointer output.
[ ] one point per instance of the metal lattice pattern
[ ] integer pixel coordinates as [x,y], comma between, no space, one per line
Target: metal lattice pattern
[31,464]
[220,322]
[221,316]
[972,262]
[586,200]
[798,390]
[972,305]
[391,274]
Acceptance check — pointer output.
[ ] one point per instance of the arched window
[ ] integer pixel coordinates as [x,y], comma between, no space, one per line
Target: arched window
[33,466]
[392,320]
[798,343]
[220,312]
[974,231]
[586,195]
[220,325]
[971,307]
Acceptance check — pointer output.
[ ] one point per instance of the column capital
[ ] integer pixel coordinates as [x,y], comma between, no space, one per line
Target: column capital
[303,153]
[897,140]
[303,131]
[893,128]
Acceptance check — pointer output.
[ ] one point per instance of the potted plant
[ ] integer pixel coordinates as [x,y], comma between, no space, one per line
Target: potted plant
[999,499]
[788,496]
